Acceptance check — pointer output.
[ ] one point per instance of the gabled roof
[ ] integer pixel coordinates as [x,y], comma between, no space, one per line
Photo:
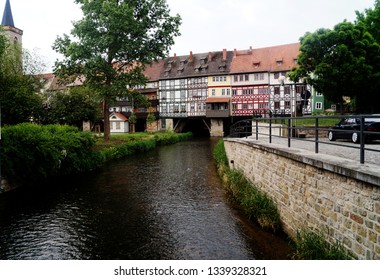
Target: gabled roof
[120,117]
[270,59]
[7,16]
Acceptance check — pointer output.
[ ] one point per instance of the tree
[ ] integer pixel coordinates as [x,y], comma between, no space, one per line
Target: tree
[341,62]
[72,107]
[113,42]
[371,20]
[18,100]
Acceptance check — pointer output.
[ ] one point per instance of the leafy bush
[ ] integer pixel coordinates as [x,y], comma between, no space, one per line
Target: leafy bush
[33,152]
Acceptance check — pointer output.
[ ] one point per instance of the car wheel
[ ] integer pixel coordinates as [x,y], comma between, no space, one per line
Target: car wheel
[355,138]
[331,136]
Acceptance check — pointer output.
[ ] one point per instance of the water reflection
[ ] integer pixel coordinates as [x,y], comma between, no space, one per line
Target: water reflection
[165,204]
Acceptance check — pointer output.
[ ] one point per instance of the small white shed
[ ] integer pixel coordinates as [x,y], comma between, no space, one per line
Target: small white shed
[119,123]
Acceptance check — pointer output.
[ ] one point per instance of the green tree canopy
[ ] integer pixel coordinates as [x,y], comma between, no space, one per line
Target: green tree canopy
[72,107]
[18,100]
[344,61]
[111,44]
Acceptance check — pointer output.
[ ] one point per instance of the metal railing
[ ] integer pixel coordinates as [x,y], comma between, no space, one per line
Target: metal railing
[293,128]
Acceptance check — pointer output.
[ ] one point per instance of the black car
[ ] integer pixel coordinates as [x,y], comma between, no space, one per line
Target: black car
[349,128]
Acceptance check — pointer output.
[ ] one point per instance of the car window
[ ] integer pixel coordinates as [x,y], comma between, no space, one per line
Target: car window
[351,121]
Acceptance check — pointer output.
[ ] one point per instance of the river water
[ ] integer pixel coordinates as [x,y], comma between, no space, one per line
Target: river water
[164,204]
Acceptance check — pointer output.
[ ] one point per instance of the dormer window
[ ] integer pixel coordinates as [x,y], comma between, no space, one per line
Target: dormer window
[222,67]
[256,64]
[180,70]
[203,60]
[183,62]
[279,61]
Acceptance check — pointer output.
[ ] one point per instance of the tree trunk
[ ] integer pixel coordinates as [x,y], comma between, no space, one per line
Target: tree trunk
[106,116]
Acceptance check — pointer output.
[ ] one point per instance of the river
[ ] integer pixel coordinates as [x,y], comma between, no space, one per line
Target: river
[163,204]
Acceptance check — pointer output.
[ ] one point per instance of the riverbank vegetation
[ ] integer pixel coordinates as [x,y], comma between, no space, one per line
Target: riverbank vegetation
[308,244]
[31,153]
[256,204]
[313,245]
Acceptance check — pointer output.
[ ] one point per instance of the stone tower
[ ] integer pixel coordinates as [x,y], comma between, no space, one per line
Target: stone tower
[14,34]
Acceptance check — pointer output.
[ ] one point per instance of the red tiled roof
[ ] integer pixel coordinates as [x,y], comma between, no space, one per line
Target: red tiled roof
[266,59]
[120,116]
[153,71]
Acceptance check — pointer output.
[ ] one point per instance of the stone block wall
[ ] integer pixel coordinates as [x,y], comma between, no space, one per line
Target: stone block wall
[309,193]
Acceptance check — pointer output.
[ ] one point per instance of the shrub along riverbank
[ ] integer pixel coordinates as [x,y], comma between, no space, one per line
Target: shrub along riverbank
[308,244]
[31,153]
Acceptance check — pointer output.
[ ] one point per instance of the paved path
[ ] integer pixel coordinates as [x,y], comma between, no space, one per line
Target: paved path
[326,147]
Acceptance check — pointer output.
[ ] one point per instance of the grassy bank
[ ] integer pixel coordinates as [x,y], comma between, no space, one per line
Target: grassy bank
[31,153]
[256,204]
[308,244]
[122,145]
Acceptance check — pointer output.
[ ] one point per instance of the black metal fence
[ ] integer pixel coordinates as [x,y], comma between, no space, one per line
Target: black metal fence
[311,129]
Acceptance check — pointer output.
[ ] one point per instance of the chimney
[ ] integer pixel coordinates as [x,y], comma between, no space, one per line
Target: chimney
[209,56]
[235,53]
[224,54]
[175,57]
[191,56]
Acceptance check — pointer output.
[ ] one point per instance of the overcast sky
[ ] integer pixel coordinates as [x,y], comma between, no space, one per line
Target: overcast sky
[207,25]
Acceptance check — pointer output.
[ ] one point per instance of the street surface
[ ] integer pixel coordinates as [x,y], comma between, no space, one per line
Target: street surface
[335,148]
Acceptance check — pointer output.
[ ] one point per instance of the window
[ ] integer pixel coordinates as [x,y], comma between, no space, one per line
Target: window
[277,105]
[223,91]
[287,104]
[241,77]
[228,91]
[213,92]
[234,92]
[246,76]
[235,78]
[277,75]
[259,77]
[117,125]
[318,105]
[319,94]
[277,90]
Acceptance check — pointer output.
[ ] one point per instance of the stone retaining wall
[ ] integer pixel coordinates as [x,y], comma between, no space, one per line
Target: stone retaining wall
[315,191]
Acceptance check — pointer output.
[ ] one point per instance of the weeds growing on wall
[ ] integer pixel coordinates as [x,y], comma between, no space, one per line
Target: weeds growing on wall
[256,204]
[312,245]
[308,244]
